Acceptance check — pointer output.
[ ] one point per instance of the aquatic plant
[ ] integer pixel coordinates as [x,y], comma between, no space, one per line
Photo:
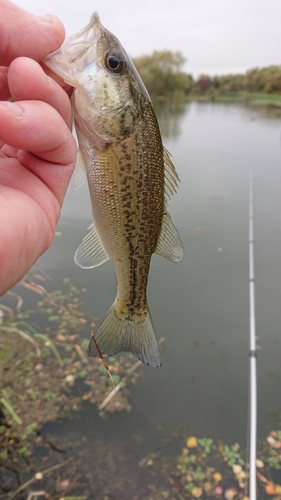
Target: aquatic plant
[206,469]
[232,455]
[40,366]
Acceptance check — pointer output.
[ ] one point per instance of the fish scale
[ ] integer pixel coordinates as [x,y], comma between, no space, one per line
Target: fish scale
[143,211]
[131,178]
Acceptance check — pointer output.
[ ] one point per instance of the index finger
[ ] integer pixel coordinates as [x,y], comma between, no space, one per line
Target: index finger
[27,81]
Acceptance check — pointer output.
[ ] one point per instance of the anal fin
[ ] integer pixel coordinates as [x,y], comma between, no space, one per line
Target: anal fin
[169,244]
[91,252]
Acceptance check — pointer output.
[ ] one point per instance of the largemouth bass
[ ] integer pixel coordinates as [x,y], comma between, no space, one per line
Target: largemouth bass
[130,176]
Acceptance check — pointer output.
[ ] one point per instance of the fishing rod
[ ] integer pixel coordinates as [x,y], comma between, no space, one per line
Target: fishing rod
[253,350]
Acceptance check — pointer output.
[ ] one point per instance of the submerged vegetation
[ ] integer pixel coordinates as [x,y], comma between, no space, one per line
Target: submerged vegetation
[41,368]
[164,78]
[45,376]
[209,469]
[42,364]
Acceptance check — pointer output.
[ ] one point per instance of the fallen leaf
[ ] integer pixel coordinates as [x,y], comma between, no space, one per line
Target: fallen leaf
[60,337]
[82,321]
[217,476]
[113,368]
[230,493]
[276,445]
[193,232]
[218,490]
[259,463]
[270,488]
[196,492]
[208,486]
[64,484]
[191,442]
[236,468]
[241,475]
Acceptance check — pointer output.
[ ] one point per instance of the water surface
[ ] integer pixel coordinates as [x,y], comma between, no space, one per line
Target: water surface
[200,305]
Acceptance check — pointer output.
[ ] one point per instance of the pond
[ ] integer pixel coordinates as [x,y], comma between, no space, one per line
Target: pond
[200,305]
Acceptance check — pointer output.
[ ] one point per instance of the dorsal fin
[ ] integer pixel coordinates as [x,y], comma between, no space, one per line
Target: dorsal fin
[169,244]
[171,178]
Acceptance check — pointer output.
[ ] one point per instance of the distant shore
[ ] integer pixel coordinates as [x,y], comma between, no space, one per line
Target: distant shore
[164,79]
[251,98]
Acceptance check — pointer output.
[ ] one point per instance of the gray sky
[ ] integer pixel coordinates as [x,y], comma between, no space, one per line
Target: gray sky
[216,36]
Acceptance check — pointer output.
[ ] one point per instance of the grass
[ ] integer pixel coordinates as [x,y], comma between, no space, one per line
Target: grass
[251,98]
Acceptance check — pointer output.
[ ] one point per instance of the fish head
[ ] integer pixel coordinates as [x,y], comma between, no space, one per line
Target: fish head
[107,85]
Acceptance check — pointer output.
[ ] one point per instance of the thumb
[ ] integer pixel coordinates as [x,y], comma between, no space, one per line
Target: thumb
[24,34]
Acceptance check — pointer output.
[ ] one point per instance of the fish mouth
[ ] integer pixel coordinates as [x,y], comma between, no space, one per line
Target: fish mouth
[77,52]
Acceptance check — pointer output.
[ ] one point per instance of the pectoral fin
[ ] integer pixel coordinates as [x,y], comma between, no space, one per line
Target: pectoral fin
[169,244]
[91,252]
[79,175]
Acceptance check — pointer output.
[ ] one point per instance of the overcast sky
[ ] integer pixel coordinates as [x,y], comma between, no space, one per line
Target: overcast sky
[216,36]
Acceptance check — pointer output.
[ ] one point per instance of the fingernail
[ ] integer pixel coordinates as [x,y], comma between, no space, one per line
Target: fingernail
[15,107]
[46,18]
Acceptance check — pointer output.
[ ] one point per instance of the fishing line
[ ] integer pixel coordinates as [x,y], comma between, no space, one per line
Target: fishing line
[253,352]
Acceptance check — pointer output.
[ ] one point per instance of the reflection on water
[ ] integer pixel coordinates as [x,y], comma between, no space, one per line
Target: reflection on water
[200,305]
[170,115]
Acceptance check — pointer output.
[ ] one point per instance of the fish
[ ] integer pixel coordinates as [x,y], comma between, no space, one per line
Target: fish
[130,176]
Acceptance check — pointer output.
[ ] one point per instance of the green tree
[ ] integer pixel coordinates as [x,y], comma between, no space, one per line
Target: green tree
[162,73]
[265,80]
[269,80]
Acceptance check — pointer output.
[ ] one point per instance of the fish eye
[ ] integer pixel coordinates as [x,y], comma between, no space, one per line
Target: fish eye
[114,62]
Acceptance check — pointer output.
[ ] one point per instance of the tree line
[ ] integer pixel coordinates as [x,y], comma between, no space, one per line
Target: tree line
[163,77]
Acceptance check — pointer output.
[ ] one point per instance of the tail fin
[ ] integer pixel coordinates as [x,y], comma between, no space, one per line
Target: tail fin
[116,335]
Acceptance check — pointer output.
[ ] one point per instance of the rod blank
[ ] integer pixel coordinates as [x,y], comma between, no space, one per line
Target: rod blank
[253,350]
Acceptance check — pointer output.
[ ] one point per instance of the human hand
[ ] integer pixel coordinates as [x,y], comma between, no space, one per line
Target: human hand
[38,151]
